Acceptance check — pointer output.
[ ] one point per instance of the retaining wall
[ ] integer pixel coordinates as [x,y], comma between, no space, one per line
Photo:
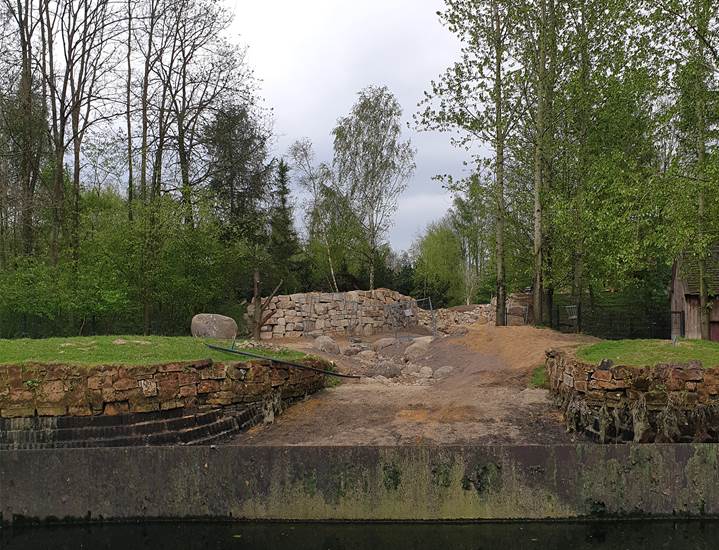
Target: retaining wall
[358,312]
[189,402]
[615,403]
[360,483]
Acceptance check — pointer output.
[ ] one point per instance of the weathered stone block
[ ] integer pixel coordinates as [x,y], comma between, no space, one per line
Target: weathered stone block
[114,409]
[188,391]
[148,387]
[125,384]
[51,410]
[208,386]
[215,371]
[17,411]
[51,392]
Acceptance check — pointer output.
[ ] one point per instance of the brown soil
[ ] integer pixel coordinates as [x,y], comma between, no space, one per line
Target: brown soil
[485,400]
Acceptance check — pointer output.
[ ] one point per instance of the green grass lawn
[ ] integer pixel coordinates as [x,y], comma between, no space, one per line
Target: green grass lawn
[651,352]
[122,350]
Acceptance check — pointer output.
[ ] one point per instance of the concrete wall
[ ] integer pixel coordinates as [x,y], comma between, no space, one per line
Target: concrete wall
[360,483]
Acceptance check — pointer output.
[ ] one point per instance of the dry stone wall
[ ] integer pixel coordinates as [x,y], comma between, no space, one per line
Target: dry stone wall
[615,403]
[60,390]
[361,313]
[519,312]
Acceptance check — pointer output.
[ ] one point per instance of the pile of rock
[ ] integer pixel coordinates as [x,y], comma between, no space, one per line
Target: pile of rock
[357,312]
[447,319]
[519,311]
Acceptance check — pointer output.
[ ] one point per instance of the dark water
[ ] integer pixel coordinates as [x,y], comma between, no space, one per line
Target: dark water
[506,536]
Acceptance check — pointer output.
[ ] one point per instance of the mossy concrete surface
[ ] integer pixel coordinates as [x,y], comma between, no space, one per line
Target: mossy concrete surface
[360,483]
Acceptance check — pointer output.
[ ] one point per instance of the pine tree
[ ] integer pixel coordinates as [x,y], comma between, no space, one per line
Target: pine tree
[284,247]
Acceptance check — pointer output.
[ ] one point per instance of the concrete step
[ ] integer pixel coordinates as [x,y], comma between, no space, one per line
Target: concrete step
[184,430]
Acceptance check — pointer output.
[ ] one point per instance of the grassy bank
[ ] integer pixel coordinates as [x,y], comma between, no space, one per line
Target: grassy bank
[651,352]
[121,350]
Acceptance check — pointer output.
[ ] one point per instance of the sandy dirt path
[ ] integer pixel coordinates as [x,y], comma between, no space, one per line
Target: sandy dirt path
[485,400]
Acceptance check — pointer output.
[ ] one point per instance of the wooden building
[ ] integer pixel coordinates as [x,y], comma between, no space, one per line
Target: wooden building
[684,297]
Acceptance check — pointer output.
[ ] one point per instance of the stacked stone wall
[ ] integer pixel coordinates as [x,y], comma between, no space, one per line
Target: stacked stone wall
[61,390]
[519,312]
[615,403]
[360,313]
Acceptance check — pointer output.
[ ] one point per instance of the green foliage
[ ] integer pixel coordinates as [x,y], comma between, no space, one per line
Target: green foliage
[652,352]
[539,378]
[284,248]
[438,258]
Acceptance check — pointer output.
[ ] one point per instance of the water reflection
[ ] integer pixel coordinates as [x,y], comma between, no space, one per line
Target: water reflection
[280,536]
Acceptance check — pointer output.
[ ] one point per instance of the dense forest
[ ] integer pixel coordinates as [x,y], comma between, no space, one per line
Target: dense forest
[592,128]
[139,183]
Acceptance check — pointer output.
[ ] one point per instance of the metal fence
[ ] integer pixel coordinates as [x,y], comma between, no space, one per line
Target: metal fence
[613,320]
[403,315]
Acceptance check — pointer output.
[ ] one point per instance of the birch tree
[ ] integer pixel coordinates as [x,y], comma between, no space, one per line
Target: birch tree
[317,181]
[372,166]
[479,96]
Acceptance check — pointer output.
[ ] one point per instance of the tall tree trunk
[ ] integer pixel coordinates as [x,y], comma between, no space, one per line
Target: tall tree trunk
[58,199]
[27,133]
[701,138]
[704,314]
[144,102]
[128,114]
[539,131]
[76,141]
[257,307]
[582,164]
[501,311]
[330,263]
[186,190]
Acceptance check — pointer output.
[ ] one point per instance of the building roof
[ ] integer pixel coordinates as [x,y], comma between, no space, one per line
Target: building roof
[689,270]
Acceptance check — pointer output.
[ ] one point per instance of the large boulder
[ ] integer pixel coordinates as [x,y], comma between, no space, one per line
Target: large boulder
[354,349]
[443,372]
[212,325]
[326,344]
[425,372]
[416,351]
[384,343]
[388,369]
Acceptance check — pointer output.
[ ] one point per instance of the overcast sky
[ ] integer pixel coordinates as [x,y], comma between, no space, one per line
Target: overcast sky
[313,56]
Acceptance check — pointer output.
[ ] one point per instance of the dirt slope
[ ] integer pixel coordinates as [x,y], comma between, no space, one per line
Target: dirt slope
[485,400]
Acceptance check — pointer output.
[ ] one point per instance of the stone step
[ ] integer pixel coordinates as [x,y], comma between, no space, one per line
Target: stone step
[63,422]
[205,433]
[89,433]
[183,430]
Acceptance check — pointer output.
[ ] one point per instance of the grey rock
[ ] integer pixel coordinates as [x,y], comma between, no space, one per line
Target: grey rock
[411,368]
[387,369]
[354,349]
[326,344]
[384,343]
[425,372]
[367,356]
[443,372]
[415,351]
[212,325]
